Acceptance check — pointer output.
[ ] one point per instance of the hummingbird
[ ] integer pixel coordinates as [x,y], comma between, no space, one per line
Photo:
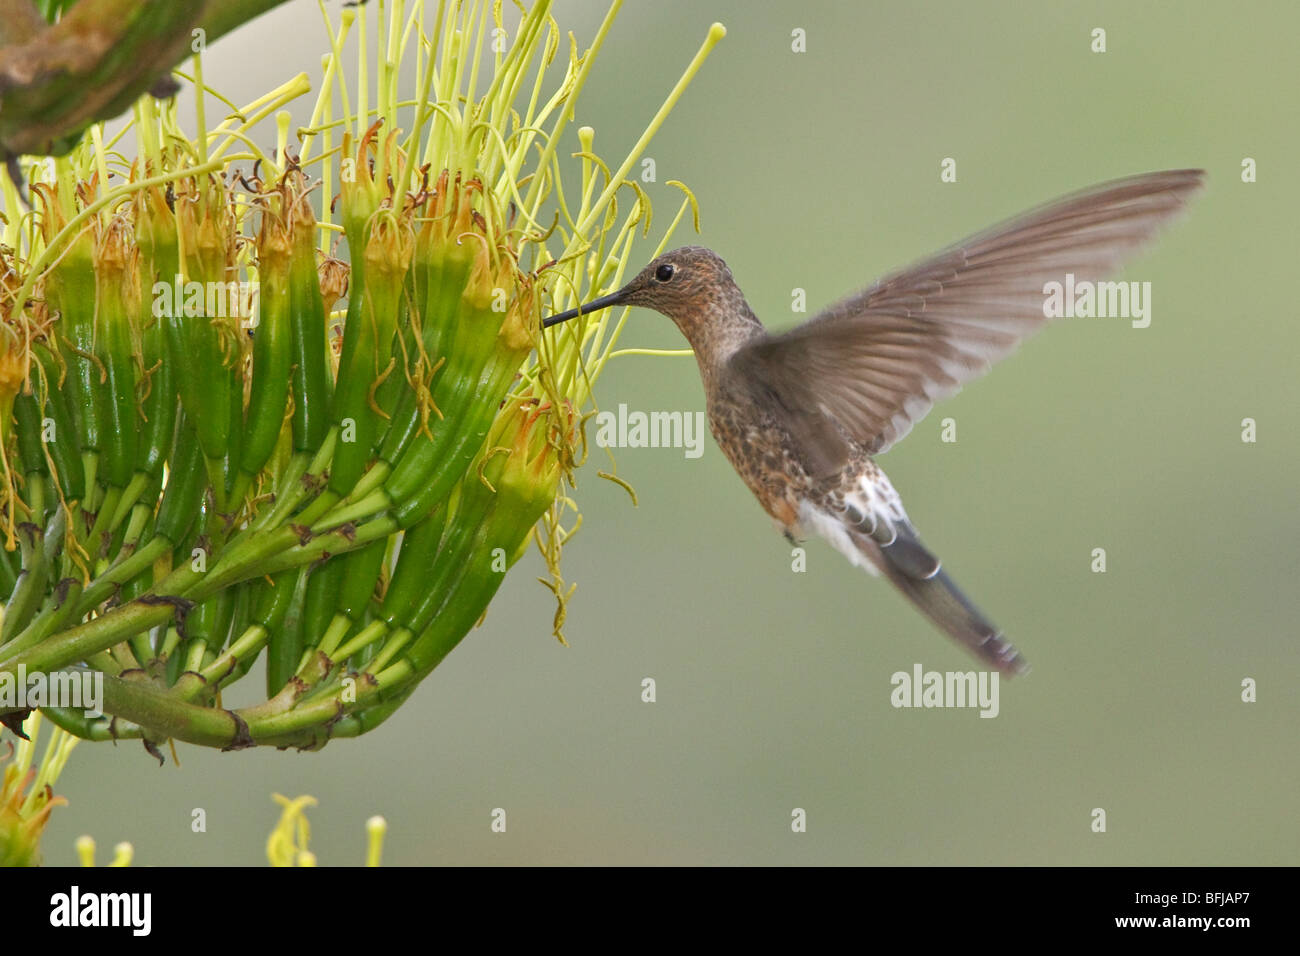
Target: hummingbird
[802,414]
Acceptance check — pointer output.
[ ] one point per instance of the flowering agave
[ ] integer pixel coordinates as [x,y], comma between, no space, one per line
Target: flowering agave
[27,795]
[235,426]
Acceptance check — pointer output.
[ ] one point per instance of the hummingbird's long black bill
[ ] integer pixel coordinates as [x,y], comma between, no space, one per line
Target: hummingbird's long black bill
[595,305]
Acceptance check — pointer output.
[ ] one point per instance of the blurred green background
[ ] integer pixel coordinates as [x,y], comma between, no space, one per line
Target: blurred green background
[820,171]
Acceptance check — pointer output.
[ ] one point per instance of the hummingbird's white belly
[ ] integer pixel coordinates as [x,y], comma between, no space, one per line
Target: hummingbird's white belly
[866,504]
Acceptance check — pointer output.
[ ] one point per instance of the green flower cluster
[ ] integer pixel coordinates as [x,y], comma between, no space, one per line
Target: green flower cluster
[205,462]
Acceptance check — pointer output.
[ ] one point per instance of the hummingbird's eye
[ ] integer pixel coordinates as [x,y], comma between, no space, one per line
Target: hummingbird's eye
[665,272]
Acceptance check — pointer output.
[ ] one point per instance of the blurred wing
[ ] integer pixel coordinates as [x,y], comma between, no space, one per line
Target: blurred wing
[872,365]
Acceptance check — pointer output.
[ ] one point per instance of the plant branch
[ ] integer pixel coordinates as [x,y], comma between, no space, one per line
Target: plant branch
[95,62]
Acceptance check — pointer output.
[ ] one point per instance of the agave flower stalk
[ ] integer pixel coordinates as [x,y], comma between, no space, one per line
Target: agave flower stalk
[338,480]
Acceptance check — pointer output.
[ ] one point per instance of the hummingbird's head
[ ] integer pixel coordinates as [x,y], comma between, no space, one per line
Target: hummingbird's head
[690,285]
[681,284]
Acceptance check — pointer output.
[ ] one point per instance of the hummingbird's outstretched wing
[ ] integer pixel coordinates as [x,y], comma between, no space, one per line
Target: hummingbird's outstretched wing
[872,365]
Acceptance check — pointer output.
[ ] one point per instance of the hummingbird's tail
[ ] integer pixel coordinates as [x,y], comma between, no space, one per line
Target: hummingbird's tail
[937,596]
[888,544]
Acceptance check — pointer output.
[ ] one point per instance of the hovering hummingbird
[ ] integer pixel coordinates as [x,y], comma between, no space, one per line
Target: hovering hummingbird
[801,414]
